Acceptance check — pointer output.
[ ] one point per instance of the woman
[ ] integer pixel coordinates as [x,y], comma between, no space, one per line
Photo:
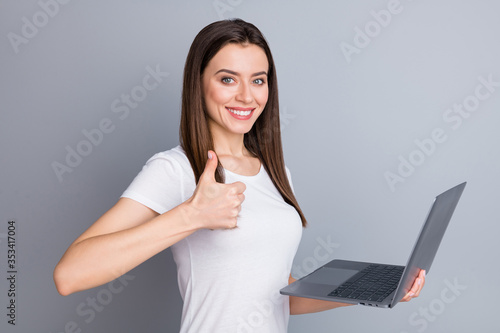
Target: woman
[222,201]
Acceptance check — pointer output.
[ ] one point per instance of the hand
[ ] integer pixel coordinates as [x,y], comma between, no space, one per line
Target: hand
[213,204]
[416,288]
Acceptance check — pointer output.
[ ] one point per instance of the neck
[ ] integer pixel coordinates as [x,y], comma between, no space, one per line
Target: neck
[226,143]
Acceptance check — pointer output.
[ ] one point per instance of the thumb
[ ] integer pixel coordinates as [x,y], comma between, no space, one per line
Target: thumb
[210,167]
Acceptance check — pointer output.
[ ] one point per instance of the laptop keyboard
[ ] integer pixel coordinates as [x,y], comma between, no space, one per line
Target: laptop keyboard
[374,283]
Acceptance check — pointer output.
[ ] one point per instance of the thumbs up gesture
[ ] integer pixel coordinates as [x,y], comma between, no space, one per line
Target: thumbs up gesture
[215,205]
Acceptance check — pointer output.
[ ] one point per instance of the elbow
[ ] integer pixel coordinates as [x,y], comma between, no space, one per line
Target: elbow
[61,281]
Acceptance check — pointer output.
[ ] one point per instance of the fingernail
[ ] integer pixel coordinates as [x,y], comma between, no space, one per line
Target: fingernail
[411,294]
[209,155]
[419,281]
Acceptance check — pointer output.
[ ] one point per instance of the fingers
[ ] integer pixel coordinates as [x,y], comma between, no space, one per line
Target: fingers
[236,192]
[217,205]
[238,187]
[420,281]
[416,288]
[234,198]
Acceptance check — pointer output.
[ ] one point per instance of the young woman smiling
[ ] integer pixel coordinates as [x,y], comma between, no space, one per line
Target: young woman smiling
[222,200]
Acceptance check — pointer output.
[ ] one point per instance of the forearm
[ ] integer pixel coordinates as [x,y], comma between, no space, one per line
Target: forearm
[100,259]
[302,305]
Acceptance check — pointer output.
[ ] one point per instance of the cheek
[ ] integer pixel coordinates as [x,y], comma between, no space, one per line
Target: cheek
[219,96]
[262,96]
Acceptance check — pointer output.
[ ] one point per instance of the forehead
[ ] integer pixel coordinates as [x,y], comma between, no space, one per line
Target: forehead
[248,58]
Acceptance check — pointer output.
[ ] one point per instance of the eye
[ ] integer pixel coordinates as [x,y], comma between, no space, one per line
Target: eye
[259,81]
[227,80]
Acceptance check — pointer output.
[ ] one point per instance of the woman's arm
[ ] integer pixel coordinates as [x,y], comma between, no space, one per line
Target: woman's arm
[125,236]
[130,233]
[302,305]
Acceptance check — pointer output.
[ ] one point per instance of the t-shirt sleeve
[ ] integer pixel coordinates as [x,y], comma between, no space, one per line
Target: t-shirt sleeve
[159,185]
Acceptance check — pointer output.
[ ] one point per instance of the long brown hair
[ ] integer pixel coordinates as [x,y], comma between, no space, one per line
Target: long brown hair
[264,139]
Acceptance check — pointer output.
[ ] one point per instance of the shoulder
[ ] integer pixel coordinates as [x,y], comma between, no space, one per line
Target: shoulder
[175,154]
[170,166]
[289,177]
[174,158]
[163,182]
[288,173]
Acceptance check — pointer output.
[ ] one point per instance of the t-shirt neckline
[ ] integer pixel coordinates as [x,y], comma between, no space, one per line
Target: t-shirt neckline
[261,169]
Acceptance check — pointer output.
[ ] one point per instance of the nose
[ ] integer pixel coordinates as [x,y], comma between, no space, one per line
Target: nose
[244,93]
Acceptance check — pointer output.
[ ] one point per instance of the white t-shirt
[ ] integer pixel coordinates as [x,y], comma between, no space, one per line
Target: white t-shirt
[229,279]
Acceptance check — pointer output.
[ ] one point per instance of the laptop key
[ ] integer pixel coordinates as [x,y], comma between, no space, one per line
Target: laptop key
[374,283]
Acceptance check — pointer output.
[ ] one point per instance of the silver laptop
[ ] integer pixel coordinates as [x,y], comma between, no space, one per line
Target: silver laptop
[380,285]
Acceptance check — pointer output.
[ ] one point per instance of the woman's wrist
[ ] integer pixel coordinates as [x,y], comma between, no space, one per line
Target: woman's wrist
[189,216]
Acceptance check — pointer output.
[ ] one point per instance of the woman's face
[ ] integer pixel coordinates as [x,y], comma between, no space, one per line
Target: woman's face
[235,88]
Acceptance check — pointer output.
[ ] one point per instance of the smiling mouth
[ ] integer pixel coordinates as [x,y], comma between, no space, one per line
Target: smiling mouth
[240,112]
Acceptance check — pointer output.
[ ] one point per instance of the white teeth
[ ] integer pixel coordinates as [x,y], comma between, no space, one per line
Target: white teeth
[240,113]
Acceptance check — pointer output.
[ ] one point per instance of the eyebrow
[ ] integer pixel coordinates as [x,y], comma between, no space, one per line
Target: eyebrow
[237,74]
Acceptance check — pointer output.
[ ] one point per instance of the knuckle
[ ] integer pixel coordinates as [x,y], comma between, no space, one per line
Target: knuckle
[235,212]
[233,191]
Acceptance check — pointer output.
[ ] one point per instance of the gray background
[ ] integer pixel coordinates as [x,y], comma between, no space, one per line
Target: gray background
[346,122]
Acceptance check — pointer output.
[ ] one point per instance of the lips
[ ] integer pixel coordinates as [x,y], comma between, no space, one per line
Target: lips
[241,113]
